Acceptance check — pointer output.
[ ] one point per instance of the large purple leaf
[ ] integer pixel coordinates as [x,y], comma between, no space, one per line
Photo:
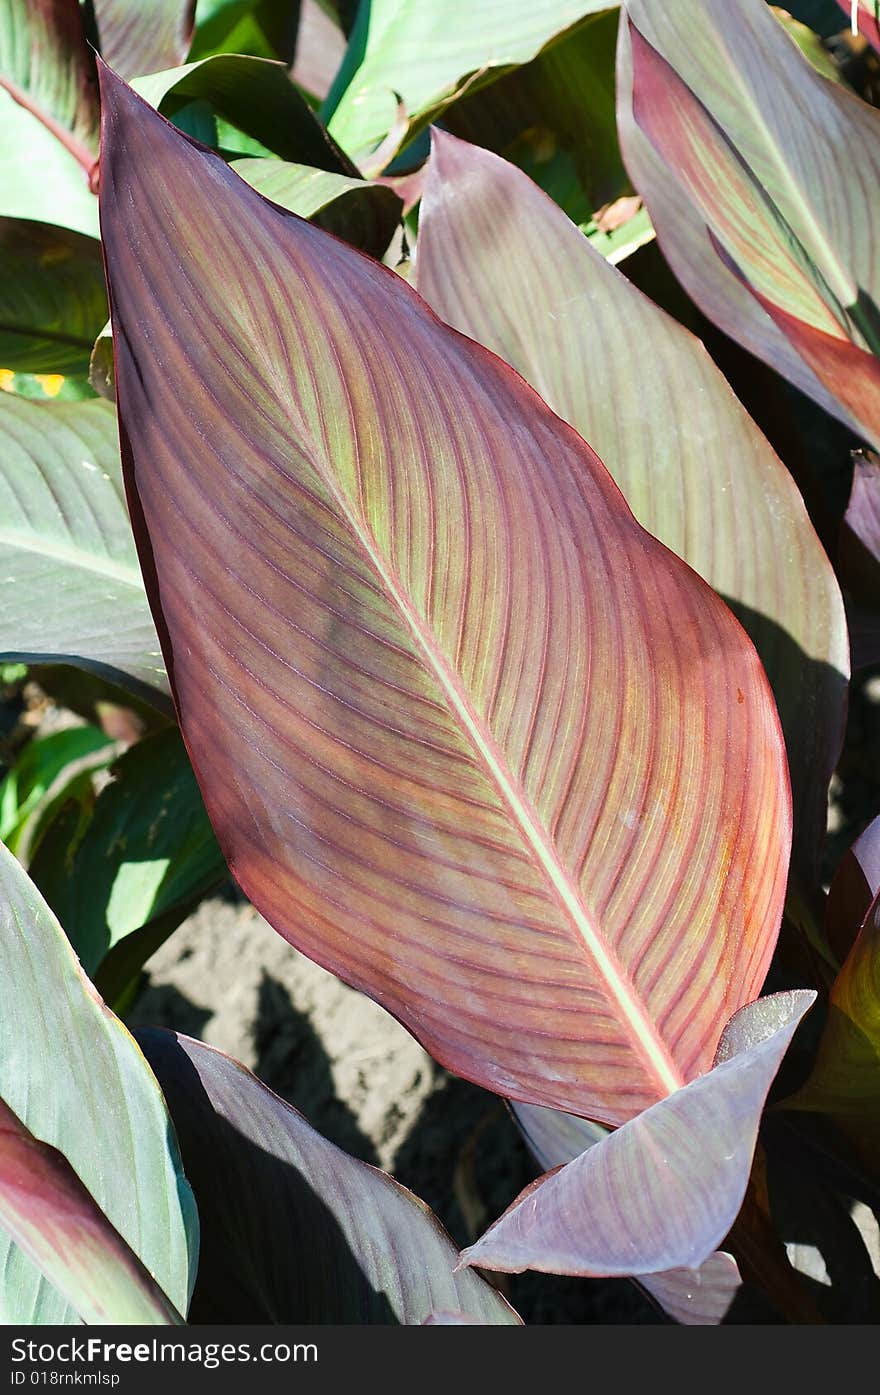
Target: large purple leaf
[60,1227]
[293,1229]
[467,734]
[744,156]
[499,261]
[661,1192]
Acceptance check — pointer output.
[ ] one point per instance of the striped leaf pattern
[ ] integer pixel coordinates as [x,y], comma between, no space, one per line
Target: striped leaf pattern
[500,262]
[761,178]
[65,534]
[467,734]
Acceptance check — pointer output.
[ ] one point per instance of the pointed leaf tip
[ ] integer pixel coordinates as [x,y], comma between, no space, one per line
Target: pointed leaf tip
[661,1192]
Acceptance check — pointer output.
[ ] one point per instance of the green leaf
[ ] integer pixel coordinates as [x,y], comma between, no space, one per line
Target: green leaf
[147,852]
[429,51]
[256,98]
[143,36]
[58,1225]
[72,589]
[263,28]
[40,778]
[362,213]
[52,297]
[555,119]
[48,115]
[466,732]
[72,1074]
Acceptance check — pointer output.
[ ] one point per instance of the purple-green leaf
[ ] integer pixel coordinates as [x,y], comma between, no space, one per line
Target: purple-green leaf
[662,1191]
[467,734]
[762,180]
[57,1224]
[293,1229]
[500,262]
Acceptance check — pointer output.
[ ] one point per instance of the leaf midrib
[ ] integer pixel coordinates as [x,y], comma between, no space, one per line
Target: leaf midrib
[642,1032]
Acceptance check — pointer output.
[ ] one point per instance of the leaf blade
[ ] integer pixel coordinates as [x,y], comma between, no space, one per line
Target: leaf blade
[462,756]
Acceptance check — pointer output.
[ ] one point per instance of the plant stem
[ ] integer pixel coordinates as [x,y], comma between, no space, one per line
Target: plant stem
[72,144]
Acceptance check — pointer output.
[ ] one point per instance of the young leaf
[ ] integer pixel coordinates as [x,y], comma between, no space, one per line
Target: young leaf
[661,1192]
[52,297]
[98,1104]
[467,734]
[426,51]
[57,1224]
[699,1297]
[73,591]
[745,158]
[275,1197]
[143,36]
[500,262]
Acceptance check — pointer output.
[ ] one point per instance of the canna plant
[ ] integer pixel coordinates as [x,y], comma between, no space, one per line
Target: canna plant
[422,572]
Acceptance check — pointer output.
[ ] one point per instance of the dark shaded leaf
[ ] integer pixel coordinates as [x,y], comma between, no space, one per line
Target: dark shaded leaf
[52,297]
[293,1229]
[256,98]
[845,1082]
[147,853]
[855,884]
